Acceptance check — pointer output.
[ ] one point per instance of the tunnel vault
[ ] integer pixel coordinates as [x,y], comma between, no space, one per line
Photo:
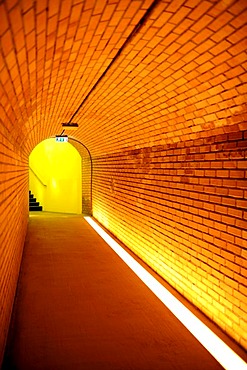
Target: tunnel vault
[159,91]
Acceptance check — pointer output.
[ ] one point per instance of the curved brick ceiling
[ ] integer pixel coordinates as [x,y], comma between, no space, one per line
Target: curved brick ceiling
[130,73]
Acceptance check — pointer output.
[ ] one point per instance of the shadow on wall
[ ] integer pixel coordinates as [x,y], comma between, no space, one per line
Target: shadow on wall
[55,176]
[87,169]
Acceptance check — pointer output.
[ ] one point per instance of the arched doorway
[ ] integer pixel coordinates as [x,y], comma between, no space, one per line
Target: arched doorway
[55,176]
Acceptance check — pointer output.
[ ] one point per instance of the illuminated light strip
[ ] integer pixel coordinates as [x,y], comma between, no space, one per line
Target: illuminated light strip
[215,346]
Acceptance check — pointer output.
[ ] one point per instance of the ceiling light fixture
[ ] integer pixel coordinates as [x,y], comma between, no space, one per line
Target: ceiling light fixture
[70,126]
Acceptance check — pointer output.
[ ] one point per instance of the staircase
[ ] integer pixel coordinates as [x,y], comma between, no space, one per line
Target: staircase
[33,205]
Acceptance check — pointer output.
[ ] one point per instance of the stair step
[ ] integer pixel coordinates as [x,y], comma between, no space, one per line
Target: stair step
[33,204]
[35,208]
[32,200]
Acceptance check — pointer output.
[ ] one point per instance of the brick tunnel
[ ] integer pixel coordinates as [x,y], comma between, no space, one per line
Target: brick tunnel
[159,92]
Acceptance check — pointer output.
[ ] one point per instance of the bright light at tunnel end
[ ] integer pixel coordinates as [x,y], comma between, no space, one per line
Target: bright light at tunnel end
[215,346]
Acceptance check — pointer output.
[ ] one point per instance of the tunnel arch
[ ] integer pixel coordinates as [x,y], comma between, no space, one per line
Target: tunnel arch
[86,174]
[55,176]
[164,116]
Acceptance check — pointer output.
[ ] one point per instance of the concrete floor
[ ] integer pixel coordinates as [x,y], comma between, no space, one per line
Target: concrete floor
[79,306]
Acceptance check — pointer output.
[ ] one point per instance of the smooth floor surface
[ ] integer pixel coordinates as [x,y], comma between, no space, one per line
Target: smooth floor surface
[79,307]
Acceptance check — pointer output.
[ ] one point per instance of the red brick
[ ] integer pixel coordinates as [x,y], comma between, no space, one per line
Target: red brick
[200,10]
[163,115]
[4,24]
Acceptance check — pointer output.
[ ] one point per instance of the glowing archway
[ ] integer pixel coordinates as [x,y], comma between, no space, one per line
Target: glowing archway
[55,176]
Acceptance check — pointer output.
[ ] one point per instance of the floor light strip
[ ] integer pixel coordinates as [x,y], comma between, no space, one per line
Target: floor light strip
[218,349]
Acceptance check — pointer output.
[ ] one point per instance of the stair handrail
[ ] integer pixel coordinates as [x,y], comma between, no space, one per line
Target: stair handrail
[37,177]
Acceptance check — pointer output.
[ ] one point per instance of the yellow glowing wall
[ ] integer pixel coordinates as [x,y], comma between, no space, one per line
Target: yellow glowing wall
[55,176]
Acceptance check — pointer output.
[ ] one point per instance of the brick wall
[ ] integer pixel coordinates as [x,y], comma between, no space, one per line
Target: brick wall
[86,162]
[182,208]
[143,79]
[13,223]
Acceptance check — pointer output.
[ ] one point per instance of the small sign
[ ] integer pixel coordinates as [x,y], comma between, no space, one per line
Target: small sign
[62,139]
